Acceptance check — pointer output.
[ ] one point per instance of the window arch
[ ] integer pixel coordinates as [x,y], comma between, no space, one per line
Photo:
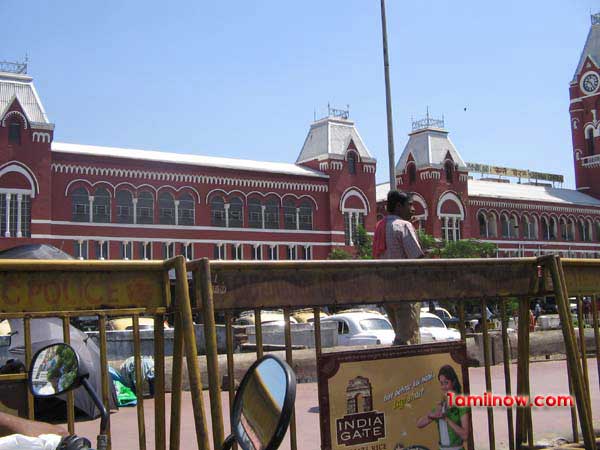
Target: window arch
[217,211]
[272,214]
[124,201]
[14,130]
[483,224]
[505,225]
[101,206]
[236,213]
[166,209]
[352,163]
[597,230]
[145,208]
[411,169]
[255,213]
[80,201]
[185,211]
[305,216]
[513,226]
[589,140]
[553,228]
[546,232]
[449,171]
[290,219]
[492,224]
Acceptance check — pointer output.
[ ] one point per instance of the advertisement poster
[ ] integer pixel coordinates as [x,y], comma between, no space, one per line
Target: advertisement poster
[375,399]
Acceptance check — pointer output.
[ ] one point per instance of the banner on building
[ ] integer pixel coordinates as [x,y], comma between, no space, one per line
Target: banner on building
[380,399]
[516,173]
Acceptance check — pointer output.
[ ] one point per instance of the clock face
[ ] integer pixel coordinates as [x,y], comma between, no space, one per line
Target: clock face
[590,82]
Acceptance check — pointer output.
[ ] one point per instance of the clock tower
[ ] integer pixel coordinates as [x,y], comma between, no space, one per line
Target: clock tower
[584,92]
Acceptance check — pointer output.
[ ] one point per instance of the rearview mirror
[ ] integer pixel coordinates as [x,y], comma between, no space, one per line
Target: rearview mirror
[54,370]
[263,405]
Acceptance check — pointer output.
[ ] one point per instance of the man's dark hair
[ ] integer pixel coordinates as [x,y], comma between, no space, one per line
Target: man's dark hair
[394,197]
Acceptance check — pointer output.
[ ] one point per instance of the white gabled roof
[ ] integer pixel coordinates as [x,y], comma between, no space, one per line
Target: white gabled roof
[182,158]
[592,46]
[429,148]
[510,191]
[331,136]
[381,192]
[20,87]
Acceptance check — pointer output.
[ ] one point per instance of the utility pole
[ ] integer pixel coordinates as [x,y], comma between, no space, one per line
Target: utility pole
[388,101]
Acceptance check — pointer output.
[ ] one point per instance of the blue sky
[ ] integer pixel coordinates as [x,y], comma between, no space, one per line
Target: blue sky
[243,79]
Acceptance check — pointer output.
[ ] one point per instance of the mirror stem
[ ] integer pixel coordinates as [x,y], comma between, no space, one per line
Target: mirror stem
[103,413]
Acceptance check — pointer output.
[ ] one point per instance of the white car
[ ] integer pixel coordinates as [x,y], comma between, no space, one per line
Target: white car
[433,329]
[362,328]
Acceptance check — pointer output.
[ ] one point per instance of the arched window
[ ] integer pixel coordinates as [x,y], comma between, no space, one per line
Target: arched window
[590,141]
[272,214]
[589,230]
[492,224]
[124,207]
[185,210]
[217,211]
[483,225]
[526,227]
[14,131]
[166,209]
[255,215]
[545,229]
[290,221]
[352,163]
[81,205]
[101,206]
[553,228]
[513,226]
[412,173]
[534,227]
[306,216]
[505,225]
[145,208]
[449,170]
[597,230]
[571,229]
[236,213]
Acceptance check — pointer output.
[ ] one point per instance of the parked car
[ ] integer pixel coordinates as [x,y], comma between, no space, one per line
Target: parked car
[307,315]
[267,317]
[443,314]
[433,329]
[362,328]
[126,323]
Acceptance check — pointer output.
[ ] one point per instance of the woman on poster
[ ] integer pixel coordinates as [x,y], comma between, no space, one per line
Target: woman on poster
[452,422]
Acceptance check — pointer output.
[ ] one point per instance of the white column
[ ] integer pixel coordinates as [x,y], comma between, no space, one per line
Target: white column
[176,212]
[101,245]
[446,234]
[7,233]
[297,218]
[19,201]
[91,206]
[226,206]
[262,209]
[135,200]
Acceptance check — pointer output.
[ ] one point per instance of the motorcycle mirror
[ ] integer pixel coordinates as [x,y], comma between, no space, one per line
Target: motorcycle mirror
[55,369]
[263,405]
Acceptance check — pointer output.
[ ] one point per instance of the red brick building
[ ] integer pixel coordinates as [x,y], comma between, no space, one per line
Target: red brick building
[100,202]
[523,218]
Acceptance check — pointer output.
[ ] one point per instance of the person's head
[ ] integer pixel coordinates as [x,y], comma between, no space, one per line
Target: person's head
[449,380]
[400,204]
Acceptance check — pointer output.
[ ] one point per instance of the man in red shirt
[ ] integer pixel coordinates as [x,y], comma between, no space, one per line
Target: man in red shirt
[401,242]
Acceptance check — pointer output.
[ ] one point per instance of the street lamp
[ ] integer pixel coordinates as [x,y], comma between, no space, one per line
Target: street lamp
[388,101]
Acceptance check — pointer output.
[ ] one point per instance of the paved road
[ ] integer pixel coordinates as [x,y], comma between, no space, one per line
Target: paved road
[547,377]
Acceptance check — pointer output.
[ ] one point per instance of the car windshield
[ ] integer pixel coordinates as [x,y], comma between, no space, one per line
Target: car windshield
[375,324]
[431,322]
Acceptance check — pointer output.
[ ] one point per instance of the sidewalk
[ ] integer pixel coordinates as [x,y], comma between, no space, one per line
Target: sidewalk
[546,378]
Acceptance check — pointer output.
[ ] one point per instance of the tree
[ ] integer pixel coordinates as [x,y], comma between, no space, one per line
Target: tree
[338,253]
[363,247]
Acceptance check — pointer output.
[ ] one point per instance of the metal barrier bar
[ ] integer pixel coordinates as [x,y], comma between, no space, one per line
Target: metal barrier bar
[191,351]
[574,428]
[139,385]
[317,328]
[506,364]
[176,382]
[583,407]
[289,359]
[488,375]
[582,345]
[520,428]
[28,356]
[70,395]
[258,333]
[230,363]
[203,287]
[104,376]
[596,332]
[461,321]
[159,383]
[528,418]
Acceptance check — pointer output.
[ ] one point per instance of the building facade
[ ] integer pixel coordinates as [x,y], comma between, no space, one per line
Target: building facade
[114,203]
[523,218]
